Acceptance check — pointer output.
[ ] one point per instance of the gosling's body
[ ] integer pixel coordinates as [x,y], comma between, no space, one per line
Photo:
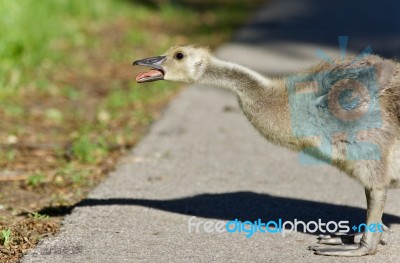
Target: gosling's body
[266,105]
[265,102]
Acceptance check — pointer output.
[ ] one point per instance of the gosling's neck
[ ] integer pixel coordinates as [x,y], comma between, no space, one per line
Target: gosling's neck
[231,76]
[263,101]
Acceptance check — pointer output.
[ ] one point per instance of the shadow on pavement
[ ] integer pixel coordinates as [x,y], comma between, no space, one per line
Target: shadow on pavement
[243,206]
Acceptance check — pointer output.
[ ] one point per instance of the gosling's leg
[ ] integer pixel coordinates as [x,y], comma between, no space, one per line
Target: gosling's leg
[376,198]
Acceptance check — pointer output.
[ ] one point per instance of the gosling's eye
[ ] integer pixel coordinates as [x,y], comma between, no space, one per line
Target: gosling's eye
[179,56]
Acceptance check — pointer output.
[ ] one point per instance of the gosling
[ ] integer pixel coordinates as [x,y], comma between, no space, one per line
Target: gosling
[283,110]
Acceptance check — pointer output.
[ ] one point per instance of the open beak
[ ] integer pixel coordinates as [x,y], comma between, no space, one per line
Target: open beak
[156,72]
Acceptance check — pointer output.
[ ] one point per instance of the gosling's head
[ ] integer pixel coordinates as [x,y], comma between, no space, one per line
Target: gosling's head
[179,63]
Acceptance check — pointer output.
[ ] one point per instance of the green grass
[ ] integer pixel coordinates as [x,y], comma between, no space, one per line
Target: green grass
[35,35]
[7,155]
[87,150]
[38,216]
[36,179]
[32,30]
[72,174]
[6,236]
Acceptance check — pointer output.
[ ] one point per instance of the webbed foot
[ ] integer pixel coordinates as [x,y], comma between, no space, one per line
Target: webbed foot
[353,250]
[359,244]
[343,239]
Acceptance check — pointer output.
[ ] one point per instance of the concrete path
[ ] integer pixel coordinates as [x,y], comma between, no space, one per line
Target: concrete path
[203,159]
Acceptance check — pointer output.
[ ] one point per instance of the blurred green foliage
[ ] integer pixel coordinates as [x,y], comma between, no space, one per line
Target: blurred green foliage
[36,179]
[32,30]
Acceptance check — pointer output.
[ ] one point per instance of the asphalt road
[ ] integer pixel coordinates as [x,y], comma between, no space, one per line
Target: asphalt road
[202,161]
